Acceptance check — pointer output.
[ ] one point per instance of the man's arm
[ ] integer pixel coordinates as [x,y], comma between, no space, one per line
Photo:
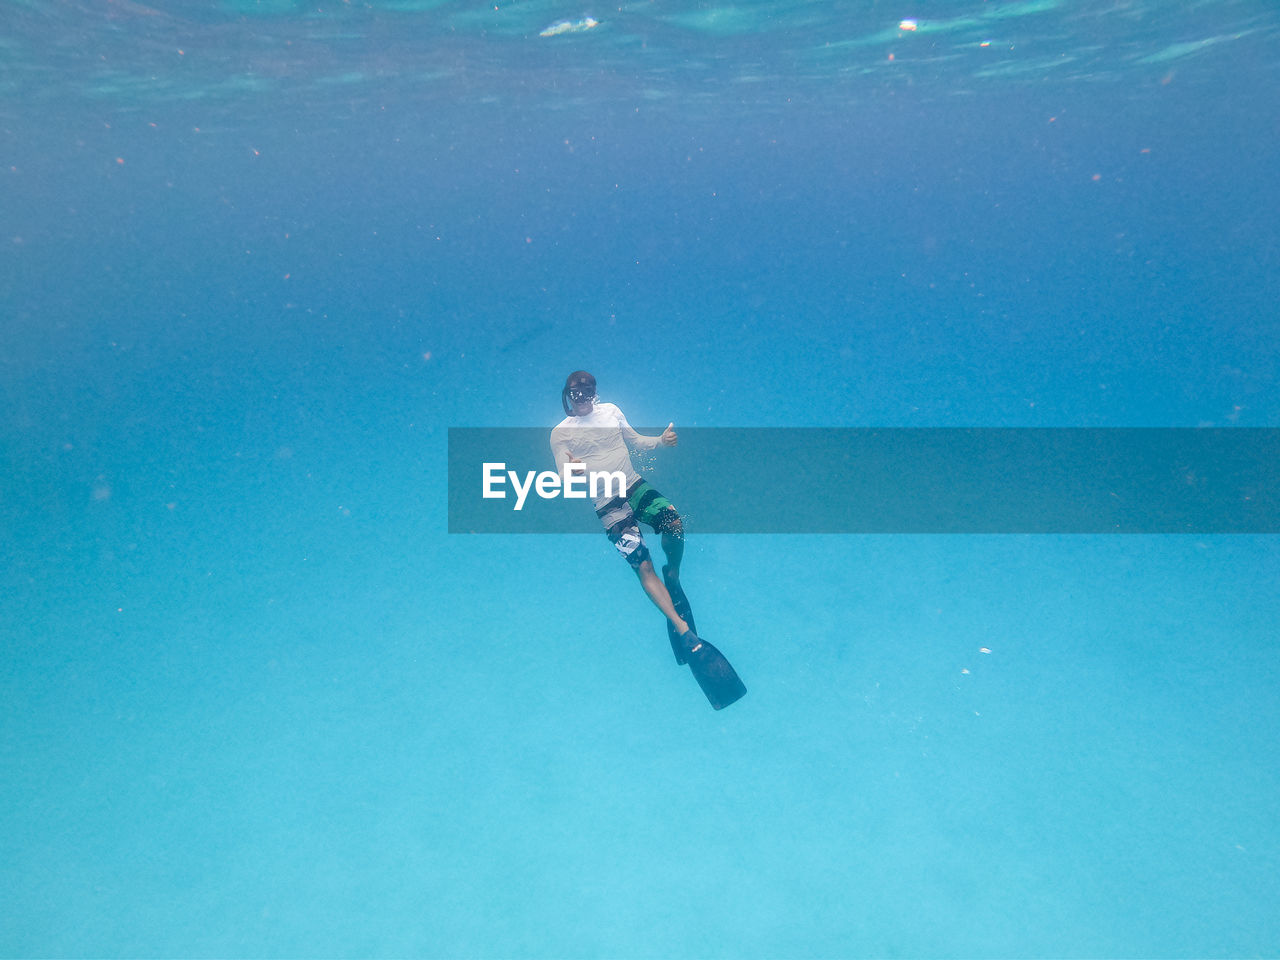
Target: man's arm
[641,442]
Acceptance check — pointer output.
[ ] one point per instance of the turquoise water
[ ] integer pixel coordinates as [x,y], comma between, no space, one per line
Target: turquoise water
[257,259]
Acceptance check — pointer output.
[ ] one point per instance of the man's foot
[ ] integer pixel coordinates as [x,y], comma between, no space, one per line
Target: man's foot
[690,642]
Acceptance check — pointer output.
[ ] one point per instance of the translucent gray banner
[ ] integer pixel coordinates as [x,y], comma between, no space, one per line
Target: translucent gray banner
[946,480]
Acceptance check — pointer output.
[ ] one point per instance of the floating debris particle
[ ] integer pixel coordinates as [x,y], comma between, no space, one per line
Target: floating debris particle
[570,26]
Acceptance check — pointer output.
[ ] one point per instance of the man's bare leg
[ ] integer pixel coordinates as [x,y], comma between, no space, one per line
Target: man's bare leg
[657,592]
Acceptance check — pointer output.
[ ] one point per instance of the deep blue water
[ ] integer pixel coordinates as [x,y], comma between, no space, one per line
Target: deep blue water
[255,702]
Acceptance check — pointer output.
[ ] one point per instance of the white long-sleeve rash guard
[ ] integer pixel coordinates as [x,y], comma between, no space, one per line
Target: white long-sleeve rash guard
[600,441]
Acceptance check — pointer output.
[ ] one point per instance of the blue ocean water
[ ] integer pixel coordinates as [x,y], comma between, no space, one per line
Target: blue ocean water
[258,257]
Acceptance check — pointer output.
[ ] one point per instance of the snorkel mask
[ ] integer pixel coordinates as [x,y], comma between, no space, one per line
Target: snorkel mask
[580,387]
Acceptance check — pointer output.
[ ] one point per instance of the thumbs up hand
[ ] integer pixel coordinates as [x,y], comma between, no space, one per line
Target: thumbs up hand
[669,436]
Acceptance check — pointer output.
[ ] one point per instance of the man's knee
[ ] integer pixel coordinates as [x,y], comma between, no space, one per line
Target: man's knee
[670,523]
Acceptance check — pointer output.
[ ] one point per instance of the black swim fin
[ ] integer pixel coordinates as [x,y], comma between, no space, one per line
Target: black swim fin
[715,675]
[681,603]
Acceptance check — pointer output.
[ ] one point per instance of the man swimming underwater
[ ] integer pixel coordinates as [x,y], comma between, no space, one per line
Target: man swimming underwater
[596,435]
